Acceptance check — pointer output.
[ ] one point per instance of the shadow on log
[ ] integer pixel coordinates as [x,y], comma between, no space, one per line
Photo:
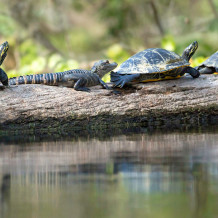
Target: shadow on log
[169,104]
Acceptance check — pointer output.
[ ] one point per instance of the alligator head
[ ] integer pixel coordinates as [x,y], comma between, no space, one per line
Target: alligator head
[102,67]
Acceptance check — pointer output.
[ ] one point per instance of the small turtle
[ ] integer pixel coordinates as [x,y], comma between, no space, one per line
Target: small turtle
[3,53]
[155,64]
[210,65]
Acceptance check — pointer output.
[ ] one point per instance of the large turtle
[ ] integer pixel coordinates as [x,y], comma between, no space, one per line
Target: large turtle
[210,65]
[155,64]
[3,53]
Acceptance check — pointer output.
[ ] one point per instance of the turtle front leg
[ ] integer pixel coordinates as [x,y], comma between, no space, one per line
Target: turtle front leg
[119,80]
[3,77]
[104,85]
[192,71]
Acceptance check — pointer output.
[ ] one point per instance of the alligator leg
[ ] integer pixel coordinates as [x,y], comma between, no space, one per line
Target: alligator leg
[80,85]
[104,85]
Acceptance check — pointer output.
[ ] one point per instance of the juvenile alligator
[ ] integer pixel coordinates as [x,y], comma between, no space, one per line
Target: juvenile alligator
[77,79]
[3,53]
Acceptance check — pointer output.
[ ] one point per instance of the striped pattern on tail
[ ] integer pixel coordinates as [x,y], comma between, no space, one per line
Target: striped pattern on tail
[47,79]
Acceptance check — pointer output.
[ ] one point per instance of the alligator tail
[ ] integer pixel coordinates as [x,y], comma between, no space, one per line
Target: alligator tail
[47,79]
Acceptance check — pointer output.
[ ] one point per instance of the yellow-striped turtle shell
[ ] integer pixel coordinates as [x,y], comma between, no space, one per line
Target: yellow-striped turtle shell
[155,64]
[153,60]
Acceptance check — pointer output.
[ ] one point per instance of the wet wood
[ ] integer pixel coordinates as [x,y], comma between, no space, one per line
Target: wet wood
[172,103]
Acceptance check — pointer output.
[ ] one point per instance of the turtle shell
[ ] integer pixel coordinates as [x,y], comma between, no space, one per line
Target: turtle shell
[152,60]
[212,61]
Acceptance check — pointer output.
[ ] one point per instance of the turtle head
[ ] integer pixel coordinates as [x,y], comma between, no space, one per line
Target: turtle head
[3,51]
[190,50]
[102,67]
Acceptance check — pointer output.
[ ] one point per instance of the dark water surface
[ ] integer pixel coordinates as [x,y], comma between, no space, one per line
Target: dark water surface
[140,175]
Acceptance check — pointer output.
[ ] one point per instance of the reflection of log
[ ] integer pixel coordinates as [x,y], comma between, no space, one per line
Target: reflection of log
[172,103]
[176,150]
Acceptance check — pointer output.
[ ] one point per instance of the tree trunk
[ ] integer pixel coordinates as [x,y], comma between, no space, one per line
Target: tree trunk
[181,103]
[156,17]
[213,8]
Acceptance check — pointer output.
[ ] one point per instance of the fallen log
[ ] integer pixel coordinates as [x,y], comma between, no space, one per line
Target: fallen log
[181,103]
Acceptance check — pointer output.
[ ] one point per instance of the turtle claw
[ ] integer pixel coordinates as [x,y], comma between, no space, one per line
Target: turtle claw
[122,84]
[120,80]
[118,84]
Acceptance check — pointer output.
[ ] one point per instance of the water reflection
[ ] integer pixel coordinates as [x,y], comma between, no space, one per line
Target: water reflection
[156,175]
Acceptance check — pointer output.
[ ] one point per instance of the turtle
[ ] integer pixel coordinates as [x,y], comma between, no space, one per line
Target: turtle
[155,64]
[210,65]
[3,53]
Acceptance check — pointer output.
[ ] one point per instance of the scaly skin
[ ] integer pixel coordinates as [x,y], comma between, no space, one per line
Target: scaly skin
[3,53]
[77,79]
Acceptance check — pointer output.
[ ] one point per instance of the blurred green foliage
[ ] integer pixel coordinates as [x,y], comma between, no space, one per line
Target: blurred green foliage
[168,43]
[117,53]
[45,37]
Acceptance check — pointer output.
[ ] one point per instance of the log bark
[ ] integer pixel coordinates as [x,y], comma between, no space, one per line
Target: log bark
[181,103]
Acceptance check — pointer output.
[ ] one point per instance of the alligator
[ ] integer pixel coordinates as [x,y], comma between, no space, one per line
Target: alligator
[3,53]
[78,79]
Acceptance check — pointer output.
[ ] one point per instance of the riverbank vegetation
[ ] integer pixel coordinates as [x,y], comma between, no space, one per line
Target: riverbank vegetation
[52,36]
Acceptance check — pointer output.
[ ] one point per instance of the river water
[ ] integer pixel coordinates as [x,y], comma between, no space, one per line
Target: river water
[156,175]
